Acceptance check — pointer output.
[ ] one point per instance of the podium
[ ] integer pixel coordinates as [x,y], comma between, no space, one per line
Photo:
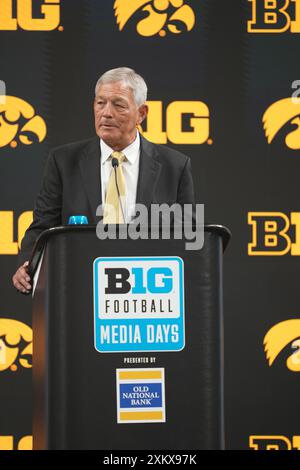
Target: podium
[128,342]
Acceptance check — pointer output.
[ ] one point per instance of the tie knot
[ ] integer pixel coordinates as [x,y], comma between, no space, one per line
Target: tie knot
[119,156]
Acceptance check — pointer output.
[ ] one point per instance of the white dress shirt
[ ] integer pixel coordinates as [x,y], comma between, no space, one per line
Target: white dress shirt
[130,169]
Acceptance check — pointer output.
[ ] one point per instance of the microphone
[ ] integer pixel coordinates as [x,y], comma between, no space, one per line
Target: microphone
[115,164]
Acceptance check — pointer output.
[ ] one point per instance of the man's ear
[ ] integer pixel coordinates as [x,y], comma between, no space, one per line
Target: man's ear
[143,111]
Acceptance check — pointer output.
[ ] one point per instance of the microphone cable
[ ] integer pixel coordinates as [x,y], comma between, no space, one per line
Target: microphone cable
[115,164]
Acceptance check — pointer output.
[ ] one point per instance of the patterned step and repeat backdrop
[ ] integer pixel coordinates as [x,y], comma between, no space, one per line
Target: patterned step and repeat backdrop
[224,81]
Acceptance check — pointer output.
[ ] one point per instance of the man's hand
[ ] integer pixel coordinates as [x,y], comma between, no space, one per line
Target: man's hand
[21,279]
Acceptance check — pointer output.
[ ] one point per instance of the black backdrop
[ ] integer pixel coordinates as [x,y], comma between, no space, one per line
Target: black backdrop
[238,74]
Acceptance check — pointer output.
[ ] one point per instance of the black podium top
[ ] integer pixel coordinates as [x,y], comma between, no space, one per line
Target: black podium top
[220,230]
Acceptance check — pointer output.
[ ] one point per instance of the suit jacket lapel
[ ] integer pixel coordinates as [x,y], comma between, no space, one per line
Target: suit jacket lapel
[91,173]
[148,172]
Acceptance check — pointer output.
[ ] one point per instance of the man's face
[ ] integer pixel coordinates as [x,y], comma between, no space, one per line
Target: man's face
[117,115]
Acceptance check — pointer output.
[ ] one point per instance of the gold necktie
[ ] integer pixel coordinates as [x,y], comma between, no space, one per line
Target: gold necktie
[112,209]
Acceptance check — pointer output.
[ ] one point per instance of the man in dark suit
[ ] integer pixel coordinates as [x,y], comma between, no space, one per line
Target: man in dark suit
[79,176]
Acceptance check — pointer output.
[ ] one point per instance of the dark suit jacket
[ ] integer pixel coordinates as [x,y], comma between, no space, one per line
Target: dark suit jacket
[72,184]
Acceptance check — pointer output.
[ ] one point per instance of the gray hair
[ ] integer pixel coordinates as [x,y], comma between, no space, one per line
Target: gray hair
[129,78]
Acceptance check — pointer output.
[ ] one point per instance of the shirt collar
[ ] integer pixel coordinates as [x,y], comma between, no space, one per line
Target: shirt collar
[131,152]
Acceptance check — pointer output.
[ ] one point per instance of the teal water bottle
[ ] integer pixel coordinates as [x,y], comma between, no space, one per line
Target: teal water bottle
[78,220]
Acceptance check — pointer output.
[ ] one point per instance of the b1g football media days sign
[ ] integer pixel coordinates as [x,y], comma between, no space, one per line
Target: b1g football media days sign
[139,304]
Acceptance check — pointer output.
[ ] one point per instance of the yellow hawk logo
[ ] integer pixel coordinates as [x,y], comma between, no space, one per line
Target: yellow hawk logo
[278,337]
[279,114]
[18,122]
[15,345]
[161,16]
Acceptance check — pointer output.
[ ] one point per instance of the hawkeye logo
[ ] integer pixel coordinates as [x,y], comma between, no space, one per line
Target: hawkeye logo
[186,122]
[15,345]
[274,234]
[158,16]
[274,16]
[285,111]
[19,123]
[50,11]
[274,443]
[278,337]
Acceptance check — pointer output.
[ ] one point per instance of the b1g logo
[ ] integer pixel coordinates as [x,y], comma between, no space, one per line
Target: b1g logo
[274,16]
[8,245]
[13,443]
[186,122]
[272,442]
[274,234]
[49,10]
[139,304]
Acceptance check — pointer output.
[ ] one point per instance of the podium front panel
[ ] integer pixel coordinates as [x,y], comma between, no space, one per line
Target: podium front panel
[119,394]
